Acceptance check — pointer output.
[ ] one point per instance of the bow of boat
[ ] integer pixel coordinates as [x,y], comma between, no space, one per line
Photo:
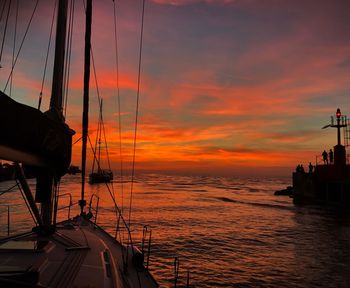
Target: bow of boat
[78,254]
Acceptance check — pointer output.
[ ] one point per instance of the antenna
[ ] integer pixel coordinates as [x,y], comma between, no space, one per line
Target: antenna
[341,122]
[339,149]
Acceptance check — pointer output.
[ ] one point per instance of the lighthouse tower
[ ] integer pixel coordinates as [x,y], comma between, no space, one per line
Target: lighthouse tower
[339,150]
[328,183]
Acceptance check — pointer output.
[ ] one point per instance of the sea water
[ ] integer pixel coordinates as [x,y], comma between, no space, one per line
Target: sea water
[225,231]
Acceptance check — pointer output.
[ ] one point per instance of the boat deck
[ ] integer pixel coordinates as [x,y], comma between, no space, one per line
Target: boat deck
[78,254]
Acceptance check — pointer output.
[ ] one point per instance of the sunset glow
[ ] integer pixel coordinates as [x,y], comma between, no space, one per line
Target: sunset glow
[227,87]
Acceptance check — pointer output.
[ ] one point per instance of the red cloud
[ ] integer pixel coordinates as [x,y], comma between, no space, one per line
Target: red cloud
[188,2]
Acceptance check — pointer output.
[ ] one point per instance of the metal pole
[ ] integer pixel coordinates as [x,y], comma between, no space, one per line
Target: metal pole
[98,201]
[56,101]
[99,138]
[70,204]
[8,220]
[188,279]
[82,202]
[149,247]
[57,79]
[28,194]
[55,207]
[338,126]
[176,270]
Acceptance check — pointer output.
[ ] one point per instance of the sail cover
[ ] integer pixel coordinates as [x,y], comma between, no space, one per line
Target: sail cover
[29,136]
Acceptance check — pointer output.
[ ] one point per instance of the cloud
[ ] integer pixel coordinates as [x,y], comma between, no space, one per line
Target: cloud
[223,83]
[189,2]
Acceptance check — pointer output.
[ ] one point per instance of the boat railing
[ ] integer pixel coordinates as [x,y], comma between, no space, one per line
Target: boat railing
[8,220]
[176,273]
[176,270]
[8,208]
[147,233]
[6,216]
[120,227]
[94,209]
[67,206]
[124,237]
[7,211]
[132,252]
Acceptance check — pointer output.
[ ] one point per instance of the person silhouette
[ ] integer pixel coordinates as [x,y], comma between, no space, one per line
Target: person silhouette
[331,158]
[311,168]
[325,157]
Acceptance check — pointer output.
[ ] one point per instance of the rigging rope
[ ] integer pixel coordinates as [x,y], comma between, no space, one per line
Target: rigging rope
[77,141]
[137,110]
[112,194]
[7,190]
[47,56]
[105,139]
[99,101]
[26,202]
[68,58]
[2,10]
[5,29]
[119,106]
[14,45]
[93,152]
[96,141]
[20,47]
[99,136]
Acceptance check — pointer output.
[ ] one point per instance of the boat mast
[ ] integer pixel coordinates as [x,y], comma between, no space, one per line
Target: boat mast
[57,81]
[82,201]
[99,138]
[45,179]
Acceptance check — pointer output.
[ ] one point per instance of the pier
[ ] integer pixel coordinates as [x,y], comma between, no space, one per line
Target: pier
[329,183]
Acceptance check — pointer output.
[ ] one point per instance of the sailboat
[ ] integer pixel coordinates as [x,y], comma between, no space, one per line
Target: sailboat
[75,252]
[101,175]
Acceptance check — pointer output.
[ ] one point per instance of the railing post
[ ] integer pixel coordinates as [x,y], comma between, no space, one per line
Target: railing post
[97,204]
[8,220]
[149,247]
[144,232]
[70,204]
[98,200]
[117,228]
[176,270]
[188,279]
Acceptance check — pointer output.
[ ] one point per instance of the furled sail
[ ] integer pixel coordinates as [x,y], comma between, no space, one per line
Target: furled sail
[29,136]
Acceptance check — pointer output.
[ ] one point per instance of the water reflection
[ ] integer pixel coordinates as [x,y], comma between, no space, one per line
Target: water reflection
[228,232]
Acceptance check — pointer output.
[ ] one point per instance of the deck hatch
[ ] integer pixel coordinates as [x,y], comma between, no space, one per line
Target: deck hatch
[23,246]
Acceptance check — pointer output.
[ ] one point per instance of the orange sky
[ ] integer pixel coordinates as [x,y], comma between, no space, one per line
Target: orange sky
[227,87]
